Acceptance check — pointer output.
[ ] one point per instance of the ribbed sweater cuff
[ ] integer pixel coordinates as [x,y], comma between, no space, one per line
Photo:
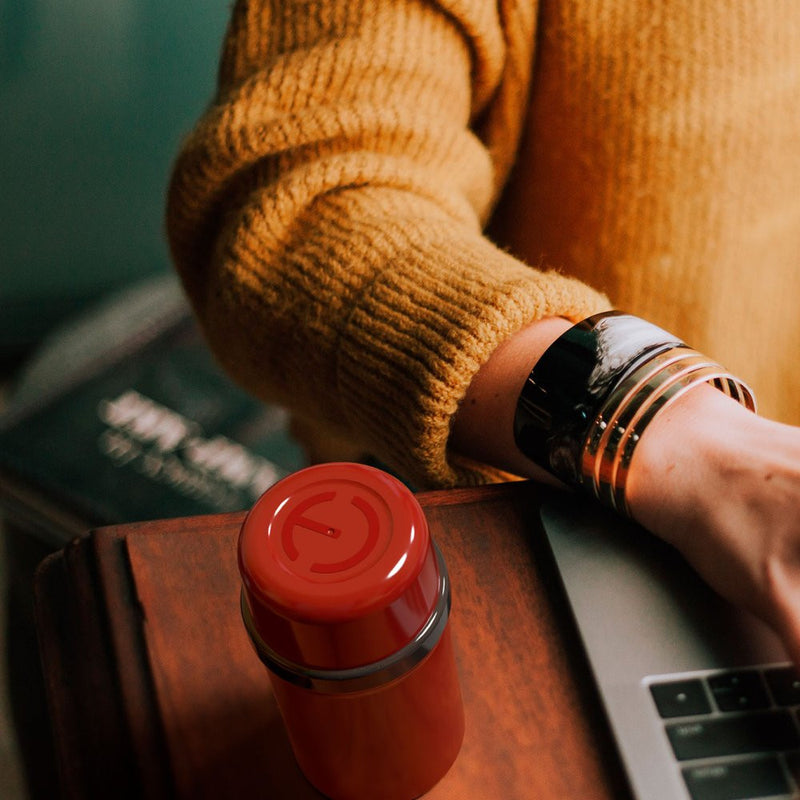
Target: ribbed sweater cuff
[420,332]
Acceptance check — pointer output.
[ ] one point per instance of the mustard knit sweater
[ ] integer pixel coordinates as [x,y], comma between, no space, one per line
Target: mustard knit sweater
[326,214]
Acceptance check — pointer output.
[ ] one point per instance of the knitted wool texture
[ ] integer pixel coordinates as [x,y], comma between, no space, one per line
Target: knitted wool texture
[326,214]
[661,164]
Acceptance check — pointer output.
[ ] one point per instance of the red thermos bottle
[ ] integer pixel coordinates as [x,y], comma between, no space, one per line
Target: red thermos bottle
[346,599]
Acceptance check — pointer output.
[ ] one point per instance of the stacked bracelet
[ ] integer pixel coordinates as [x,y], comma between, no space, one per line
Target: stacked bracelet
[591,395]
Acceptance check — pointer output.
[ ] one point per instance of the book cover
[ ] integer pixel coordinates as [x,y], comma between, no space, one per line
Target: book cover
[158,432]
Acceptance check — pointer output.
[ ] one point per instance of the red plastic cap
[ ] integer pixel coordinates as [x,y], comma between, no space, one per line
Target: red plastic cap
[337,565]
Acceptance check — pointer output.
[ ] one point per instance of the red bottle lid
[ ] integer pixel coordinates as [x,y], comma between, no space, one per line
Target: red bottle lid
[338,567]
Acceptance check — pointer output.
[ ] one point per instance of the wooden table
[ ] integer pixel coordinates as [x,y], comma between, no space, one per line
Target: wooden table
[155,690]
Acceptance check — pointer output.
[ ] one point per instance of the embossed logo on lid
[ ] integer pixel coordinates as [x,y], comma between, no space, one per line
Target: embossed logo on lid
[333,542]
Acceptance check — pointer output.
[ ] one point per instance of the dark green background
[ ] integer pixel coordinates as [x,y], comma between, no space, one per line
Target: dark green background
[95,97]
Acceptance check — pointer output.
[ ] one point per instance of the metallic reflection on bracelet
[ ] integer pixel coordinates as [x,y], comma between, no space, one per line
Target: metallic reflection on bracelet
[571,381]
[616,431]
[710,373]
[590,397]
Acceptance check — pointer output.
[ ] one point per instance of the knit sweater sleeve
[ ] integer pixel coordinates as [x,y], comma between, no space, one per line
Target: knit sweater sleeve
[325,216]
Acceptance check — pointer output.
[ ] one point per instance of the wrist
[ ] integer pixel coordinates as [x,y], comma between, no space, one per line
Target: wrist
[592,394]
[685,462]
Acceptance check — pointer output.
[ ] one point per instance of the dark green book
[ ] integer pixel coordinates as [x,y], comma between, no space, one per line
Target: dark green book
[154,430]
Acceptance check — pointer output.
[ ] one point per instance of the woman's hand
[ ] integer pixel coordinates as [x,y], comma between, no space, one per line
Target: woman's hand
[715,480]
[723,486]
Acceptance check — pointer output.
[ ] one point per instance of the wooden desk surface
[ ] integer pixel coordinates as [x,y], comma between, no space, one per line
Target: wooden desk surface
[155,690]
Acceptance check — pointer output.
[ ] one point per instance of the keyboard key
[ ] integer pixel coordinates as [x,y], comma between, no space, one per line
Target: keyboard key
[784,683]
[737,781]
[680,698]
[759,732]
[739,691]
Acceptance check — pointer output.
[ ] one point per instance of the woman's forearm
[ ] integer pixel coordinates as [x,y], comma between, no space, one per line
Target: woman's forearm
[710,477]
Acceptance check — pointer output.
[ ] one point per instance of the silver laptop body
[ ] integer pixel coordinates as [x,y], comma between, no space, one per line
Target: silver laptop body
[646,619]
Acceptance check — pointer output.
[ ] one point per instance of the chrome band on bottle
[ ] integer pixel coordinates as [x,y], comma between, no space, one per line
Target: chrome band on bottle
[368,676]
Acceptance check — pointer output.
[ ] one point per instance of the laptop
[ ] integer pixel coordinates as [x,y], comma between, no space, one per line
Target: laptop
[700,696]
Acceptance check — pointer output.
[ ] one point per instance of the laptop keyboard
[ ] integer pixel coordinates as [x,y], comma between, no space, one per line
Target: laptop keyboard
[734,734]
